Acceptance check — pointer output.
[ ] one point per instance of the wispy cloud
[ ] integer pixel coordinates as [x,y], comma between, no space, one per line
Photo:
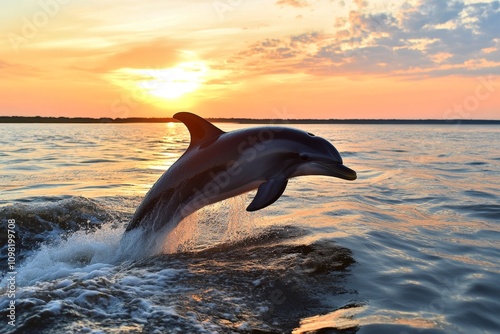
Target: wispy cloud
[152,54]
[293,3]
[18,71]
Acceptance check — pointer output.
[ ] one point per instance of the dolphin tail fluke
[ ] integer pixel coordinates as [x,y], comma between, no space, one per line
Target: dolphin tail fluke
[268,193]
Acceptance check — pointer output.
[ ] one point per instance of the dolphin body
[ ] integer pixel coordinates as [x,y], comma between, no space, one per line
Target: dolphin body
[218,165]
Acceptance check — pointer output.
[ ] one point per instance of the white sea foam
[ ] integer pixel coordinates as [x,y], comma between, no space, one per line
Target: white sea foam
[82,253]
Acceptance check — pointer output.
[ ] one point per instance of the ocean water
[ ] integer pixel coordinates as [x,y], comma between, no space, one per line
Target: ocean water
[411,246]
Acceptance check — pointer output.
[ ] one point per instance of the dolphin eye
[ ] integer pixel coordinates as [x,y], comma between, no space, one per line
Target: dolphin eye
[304,157]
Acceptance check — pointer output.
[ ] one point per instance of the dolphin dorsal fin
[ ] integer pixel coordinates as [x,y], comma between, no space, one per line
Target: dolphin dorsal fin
[199,128]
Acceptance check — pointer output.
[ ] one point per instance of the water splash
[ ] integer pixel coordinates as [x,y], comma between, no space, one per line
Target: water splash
[93,253]
[222,222]
[80,253]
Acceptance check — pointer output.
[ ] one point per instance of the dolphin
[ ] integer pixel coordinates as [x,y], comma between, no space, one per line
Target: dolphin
[218,165]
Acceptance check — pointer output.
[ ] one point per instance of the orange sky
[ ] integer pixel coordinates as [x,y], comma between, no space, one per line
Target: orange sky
[258,59]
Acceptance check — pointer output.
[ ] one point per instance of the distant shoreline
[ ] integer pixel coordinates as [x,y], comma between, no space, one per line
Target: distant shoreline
[40,119]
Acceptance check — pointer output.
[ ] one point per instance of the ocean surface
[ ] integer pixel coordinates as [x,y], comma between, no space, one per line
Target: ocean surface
[411,246]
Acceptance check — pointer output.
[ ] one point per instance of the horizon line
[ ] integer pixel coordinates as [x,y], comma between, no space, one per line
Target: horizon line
[66,119]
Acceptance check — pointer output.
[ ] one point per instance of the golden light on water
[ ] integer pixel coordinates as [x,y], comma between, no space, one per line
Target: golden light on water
[353,317]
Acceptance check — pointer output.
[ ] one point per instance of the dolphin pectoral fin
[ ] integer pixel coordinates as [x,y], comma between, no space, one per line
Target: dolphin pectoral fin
[268,193]
[199,128]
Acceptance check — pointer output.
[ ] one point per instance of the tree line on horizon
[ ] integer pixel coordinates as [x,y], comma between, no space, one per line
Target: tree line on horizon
[62,119]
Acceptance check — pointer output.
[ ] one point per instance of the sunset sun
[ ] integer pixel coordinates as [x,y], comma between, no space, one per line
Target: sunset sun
[173,83]
[161,85]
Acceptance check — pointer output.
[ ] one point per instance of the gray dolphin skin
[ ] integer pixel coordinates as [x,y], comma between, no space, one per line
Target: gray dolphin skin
[218,165]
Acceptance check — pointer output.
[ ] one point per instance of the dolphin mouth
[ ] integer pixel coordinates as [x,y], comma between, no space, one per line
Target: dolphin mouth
[339,170]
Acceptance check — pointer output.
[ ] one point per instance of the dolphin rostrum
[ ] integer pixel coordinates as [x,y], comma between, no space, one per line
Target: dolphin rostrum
[218,165]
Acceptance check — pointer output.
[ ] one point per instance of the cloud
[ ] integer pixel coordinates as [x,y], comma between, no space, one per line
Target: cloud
[432,38]
[431,12]
[20,71]
[153,54]
[293,3]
